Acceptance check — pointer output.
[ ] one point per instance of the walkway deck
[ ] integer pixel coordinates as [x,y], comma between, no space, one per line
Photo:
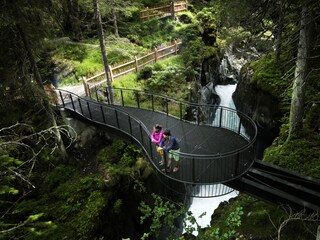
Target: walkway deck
[208,154]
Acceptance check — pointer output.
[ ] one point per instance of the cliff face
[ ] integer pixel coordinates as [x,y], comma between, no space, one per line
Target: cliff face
[259,105]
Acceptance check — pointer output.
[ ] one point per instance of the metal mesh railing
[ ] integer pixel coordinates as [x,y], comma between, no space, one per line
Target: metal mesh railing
[198,168]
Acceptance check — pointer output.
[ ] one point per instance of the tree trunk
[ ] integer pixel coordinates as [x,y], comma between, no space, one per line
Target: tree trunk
[39,82]
[279,30]
[172,10]
[298,93]
[76,21]
[72,16]
[115,24]
[103,49]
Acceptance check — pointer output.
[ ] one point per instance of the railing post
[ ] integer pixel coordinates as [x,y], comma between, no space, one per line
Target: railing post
[107,94]
[89,90]
[80,106]
[130,125]
[102,112]
[137,99]
[165,162]
[220,120]
[95,88]
[180,106]
[193,170]
[122,101]
[62,99]
[117,118]
[151,150]
[89,110]
[167,107]
[74,108]
[198,115]
[141,132]
[239,127]
[152,102]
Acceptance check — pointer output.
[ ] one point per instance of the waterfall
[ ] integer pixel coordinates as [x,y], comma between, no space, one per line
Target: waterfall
[225,93]
[228,73]
[208,205]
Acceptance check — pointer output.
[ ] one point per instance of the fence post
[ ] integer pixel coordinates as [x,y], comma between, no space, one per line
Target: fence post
[176,47]
[172,10]
[85,85]
[155,54]
[111,74]
[136,63]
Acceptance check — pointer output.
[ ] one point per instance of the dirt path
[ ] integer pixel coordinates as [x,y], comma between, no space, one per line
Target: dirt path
[78,89]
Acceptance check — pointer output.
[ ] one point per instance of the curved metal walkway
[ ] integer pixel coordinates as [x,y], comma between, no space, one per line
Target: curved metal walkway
[214,150]
[216,147]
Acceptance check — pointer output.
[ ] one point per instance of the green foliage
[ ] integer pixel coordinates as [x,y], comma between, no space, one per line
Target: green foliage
[300,154]
[161,213]
[73,208]
[236,37]
[152,33]
[117,206]
[208,20]
[224,230]
[194,49]
[86,59]
[127,81]
[59,175]
[165,77]
[111,154]
[8,163]
[250,218]
[313,117]
[268,76]
[122,161]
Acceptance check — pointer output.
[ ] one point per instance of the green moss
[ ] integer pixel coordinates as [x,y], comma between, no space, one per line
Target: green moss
[256,220]
[268,76]
[300,155]
[58,176]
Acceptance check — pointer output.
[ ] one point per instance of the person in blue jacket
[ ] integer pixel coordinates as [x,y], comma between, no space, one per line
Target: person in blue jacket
[170,145]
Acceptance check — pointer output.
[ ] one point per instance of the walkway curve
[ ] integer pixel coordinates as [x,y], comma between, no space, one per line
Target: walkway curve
[216,150]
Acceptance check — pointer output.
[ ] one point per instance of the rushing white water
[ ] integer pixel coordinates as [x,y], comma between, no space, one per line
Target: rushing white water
[199,206]
[230,120]
[208,205]
[225,93]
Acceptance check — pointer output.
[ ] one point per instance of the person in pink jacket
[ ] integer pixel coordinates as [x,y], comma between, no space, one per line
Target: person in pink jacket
[156,137]
[157,134]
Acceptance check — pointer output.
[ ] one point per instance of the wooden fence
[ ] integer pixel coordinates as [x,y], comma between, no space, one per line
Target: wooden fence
[164,10]
[134,65]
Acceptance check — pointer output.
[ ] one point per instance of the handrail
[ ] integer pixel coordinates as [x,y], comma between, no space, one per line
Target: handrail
[180,103]
[114,117]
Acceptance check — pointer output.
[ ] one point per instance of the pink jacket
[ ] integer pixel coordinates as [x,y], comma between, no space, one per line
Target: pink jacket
[156,136]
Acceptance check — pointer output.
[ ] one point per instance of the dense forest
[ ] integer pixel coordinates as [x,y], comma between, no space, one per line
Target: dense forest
[59,182]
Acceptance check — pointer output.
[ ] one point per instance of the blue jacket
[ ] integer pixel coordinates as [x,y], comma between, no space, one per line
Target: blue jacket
[173,144]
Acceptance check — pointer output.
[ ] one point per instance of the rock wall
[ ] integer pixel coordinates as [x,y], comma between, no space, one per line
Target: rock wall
[263,108]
